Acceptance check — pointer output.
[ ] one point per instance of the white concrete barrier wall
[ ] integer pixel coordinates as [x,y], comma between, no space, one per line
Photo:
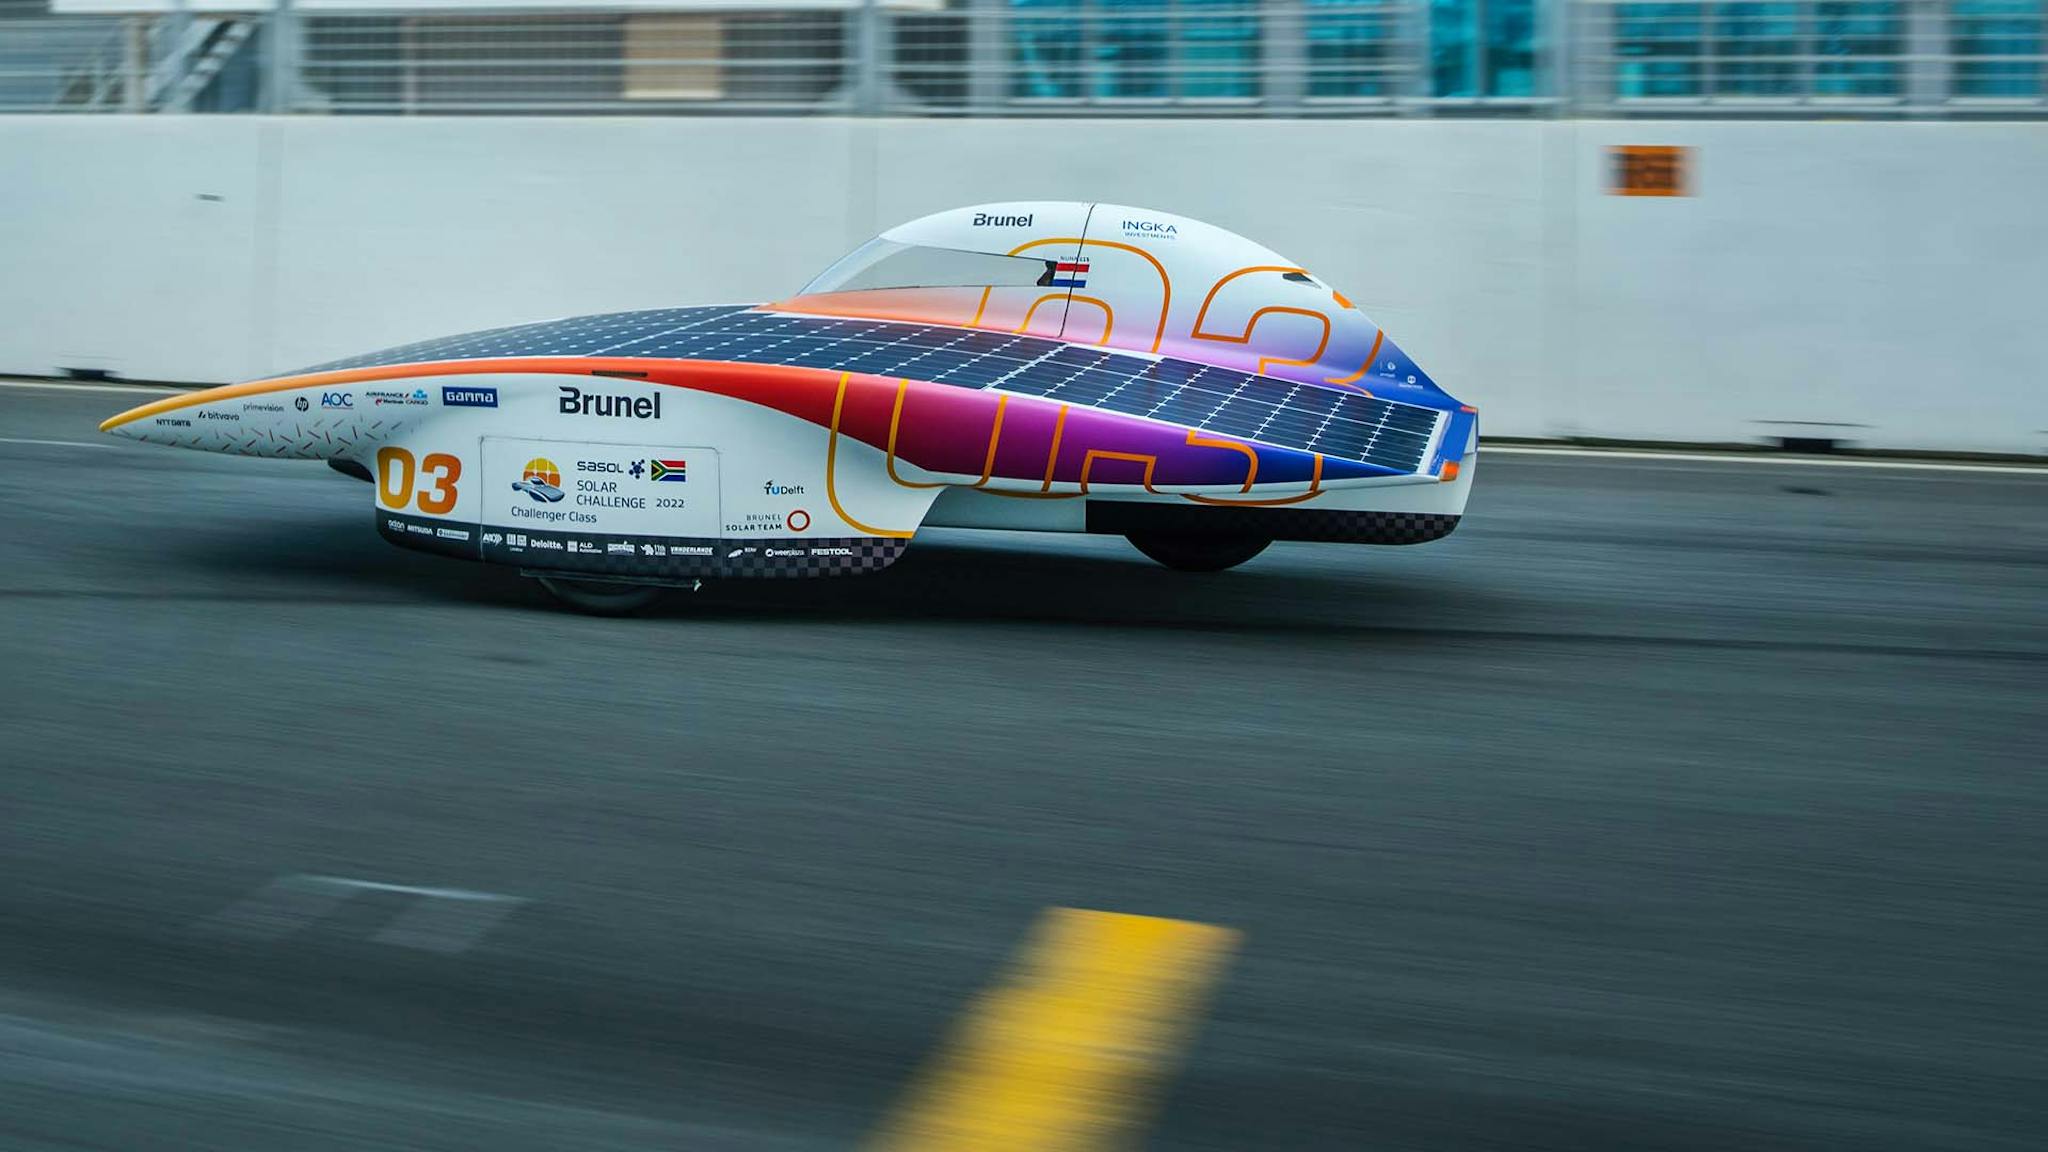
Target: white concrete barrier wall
[1881,284]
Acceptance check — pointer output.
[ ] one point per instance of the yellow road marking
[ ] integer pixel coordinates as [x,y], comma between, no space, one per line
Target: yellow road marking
[1066,1054]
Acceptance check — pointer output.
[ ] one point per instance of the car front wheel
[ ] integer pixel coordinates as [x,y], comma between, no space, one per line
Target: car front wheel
[1198,553]
[603,597]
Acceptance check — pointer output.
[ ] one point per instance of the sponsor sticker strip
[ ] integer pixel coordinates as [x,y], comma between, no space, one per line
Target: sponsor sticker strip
[642,557]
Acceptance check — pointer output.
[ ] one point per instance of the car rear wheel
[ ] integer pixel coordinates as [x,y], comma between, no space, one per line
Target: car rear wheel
[603,597]
[1198,553]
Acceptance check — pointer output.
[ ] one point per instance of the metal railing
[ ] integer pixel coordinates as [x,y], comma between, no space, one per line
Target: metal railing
[1825,57]
[1959,58]
[52,65]
[123,64]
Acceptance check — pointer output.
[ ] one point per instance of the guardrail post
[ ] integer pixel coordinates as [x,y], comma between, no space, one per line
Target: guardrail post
[1586,77]
[1927,61]
[988,56]
[177,33]
[135,64]
[1283,56]
[868,40]
[1421,81]
[281,41]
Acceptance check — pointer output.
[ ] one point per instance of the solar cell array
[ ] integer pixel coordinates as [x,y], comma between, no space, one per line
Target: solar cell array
[967,358]
[1344,425]
[1340,424]
[579,336]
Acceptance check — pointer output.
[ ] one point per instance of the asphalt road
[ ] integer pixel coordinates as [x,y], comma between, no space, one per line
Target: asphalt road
[1665,805]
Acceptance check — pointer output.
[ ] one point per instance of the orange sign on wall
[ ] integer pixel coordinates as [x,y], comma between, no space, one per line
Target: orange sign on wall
[1649,170]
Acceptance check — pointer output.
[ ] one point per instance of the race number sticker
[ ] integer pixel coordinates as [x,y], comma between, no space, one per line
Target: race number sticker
[611,489]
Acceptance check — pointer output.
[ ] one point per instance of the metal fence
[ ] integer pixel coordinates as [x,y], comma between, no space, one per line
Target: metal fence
[1955,58]
[1830,57]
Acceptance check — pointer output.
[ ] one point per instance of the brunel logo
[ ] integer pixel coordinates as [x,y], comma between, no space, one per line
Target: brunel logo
[576,402]
[984,220]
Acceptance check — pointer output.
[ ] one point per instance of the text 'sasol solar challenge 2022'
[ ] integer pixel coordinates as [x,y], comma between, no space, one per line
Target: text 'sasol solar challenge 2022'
[1038,365]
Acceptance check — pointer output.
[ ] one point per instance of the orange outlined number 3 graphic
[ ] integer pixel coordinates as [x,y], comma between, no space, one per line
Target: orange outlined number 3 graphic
[445,470]
[397,472]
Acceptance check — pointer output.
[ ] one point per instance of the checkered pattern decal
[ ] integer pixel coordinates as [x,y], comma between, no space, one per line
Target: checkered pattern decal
[845,556]
[1327,524]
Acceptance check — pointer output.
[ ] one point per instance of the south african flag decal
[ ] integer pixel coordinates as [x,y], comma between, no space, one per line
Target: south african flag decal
[668,471]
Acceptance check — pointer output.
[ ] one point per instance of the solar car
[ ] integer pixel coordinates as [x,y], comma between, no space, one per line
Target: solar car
[1044,365]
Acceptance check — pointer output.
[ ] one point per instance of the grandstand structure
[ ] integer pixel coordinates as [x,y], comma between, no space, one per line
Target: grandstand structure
[1958,59]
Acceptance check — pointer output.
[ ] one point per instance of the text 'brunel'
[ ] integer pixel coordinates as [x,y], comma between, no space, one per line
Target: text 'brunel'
[577,402]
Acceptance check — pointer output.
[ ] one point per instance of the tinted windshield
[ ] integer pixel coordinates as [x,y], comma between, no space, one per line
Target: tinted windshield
[887,264]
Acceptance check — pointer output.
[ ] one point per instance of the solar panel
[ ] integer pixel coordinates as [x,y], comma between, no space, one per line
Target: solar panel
[1346,425]
[578,336]
[1350,426]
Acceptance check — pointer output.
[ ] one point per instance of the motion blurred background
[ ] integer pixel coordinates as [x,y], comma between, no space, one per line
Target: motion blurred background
[1690,796]
[1850,257]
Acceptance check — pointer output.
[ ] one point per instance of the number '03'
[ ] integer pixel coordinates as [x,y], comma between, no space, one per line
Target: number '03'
[398,475]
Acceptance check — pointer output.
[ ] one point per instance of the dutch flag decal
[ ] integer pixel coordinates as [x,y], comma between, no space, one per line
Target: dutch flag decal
[1070,274]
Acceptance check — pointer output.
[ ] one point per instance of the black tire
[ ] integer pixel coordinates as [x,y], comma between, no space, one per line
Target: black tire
[1198,553]
[603,597]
